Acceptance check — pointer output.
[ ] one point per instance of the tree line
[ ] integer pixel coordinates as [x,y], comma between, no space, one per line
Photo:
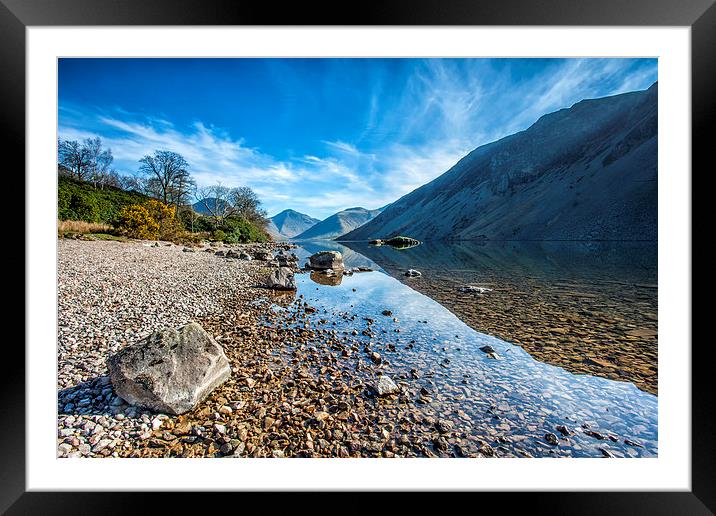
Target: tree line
[163,175]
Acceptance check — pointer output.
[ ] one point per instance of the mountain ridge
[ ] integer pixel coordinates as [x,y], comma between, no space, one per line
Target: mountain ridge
[289,223]
[338,224]
[587,172]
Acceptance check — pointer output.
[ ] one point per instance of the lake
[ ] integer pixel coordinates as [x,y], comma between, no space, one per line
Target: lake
[583,314]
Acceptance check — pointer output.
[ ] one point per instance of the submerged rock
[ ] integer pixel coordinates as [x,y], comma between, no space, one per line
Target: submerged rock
[326,279]
[326,260]
[551,439]
[474,289]
[170,371]
[281,279]
[385,386]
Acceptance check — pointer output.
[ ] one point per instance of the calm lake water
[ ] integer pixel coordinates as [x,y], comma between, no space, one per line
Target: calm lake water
[512,402]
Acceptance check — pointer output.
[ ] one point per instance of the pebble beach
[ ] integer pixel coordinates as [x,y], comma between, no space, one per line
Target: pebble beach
[302,373]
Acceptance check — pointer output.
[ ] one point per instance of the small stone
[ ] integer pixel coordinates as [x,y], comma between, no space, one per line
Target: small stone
[606,453]
[563,430]
[385,386]
[629,442]
[551,438]
[444,426]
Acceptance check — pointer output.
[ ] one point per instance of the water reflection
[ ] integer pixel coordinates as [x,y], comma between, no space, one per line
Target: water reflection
[322,278]
[589,307]
[512,402]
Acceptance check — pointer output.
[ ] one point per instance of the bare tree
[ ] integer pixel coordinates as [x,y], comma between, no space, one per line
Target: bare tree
[222,202]
[98,161]
[167,176]
[132,183]
[74,157]
[247,205]
[86,161]
[216,200]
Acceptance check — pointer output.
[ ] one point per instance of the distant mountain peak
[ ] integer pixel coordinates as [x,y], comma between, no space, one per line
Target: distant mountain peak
[289,223]
[338,224]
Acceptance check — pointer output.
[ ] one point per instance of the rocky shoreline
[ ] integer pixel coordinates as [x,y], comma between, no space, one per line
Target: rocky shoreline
[270,407]
[298,388]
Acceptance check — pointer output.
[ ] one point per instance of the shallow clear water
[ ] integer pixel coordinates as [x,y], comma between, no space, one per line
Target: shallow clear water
[511,403]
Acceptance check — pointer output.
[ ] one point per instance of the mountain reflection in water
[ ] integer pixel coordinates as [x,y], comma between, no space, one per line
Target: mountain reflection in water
[589,307]
[512,403]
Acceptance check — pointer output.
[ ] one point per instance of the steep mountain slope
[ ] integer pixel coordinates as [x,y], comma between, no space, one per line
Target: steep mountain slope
[584,173]
[338,224]
[289,223]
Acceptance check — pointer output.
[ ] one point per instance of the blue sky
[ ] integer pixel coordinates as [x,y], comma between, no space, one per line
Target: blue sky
[322,135]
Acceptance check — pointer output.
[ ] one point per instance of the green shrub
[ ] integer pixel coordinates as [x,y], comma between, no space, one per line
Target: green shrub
[83,207]
[78,200]
[241,231]
[219,235]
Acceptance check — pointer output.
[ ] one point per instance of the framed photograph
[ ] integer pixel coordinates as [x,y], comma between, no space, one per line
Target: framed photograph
[424,248]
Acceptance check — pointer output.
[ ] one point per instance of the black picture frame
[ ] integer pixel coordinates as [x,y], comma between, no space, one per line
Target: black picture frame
[699,15]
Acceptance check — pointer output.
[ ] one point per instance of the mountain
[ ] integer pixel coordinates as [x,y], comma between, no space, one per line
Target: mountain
[338,224]
[588,172]
[289,223]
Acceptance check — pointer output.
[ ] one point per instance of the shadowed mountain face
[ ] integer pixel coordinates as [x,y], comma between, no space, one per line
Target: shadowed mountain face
[288,224]
[584,173]
[338,224]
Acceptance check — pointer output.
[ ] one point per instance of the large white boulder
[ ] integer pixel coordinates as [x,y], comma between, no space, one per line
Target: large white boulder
[170,371]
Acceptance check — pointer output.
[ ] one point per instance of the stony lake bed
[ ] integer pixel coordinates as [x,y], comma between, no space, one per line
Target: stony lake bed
[304,362]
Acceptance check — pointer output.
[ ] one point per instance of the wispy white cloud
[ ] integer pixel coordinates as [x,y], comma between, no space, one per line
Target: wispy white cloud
[442,110]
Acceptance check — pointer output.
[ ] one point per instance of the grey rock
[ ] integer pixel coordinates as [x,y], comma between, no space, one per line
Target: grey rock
[281,279]
[264,256]
[487,349]
[444,426]
[473,289]
[170,371]
[385,386]
[326,260]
